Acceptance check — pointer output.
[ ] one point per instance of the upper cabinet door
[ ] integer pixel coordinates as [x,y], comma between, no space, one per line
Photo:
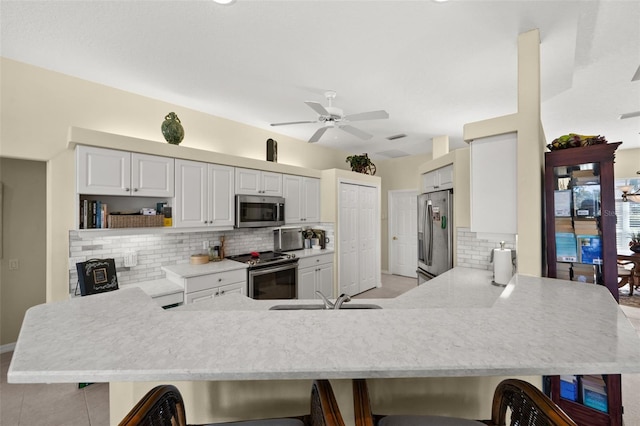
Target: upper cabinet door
[292,189]
[311,196]
[152,176]
[302,195]
[272,184]
[191,209]
[221,195]
[438,179]
[256,182]
[247,181]
[103,171]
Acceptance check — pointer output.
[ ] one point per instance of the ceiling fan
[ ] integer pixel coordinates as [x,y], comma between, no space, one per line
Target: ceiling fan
[331,116]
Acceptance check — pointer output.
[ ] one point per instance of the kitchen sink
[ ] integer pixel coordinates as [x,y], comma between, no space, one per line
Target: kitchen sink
[317,306]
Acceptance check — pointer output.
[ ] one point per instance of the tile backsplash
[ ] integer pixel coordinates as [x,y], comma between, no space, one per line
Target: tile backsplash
[157,250]
[475,252]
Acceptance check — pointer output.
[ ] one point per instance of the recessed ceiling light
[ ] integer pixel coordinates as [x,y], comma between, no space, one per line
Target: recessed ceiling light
[224,1]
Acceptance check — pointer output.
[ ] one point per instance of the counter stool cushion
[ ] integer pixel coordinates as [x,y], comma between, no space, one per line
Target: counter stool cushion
[426,421]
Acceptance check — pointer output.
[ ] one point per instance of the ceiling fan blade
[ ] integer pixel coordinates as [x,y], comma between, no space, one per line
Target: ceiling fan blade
[371,115]
[356,132]
[318,134]
[292,122]
[317,107]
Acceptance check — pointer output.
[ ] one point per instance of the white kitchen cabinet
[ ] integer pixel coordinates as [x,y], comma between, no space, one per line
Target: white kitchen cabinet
[208,286]
[494,185]
[111,172]
[258,182]
[438,179]
[209,294]
[315,273]
[204,195]
[302,195]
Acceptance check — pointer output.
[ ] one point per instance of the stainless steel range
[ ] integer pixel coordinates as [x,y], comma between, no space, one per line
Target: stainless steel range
[270,275]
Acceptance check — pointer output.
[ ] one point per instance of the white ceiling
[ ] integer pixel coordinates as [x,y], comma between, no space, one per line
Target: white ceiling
[433,66]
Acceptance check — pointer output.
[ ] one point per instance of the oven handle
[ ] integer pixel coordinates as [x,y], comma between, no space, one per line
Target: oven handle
[262,271]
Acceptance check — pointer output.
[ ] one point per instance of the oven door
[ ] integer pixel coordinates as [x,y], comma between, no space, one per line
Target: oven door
[277,282]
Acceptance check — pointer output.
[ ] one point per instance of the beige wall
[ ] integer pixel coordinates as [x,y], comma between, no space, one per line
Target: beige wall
[38,107]
[397,174]
[627,163]
[23,239]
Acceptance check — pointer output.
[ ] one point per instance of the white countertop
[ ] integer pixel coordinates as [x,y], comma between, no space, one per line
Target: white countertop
[455,325]
[156,288]
[187,270]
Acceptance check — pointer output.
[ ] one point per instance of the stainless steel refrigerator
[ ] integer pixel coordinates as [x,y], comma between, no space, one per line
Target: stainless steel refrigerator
[435,234]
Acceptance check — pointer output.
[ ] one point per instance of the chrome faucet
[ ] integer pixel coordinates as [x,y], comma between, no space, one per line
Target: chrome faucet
[340,300]
[343,298]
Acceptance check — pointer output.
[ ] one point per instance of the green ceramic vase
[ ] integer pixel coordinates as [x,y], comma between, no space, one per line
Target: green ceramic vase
[172,129]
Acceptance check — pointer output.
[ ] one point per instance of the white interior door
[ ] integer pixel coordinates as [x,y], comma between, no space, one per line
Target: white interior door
[367,237]
[348,234]
[403,232]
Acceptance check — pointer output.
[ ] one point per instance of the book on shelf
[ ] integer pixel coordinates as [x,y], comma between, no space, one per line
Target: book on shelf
[562,203]
[594,392]
[583,273]
[586,227]
[563,271]
[569,387]
[564,225]
[93,214]
[589,249]
[566,247]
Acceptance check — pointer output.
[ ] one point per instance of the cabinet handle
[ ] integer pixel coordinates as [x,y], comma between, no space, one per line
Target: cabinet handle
[219,280]
[127,189]
[135,189]
[222,292]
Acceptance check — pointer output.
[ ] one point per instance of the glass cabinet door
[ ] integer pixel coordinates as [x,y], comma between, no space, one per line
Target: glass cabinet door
[577,211]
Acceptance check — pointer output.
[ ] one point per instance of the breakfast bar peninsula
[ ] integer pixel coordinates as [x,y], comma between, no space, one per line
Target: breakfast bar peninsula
[458,325]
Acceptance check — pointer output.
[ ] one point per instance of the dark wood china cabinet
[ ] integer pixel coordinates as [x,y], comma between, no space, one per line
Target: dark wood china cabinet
[581,246]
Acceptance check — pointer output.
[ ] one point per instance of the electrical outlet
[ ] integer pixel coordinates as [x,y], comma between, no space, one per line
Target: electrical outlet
[14,264]
[73,261]
[131,259]
[205,245]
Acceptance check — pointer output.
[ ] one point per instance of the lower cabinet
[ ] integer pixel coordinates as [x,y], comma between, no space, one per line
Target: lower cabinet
[315,273]
[202,295]
[206,287]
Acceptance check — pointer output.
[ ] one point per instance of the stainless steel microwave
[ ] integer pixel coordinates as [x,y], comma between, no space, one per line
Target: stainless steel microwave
[256,211]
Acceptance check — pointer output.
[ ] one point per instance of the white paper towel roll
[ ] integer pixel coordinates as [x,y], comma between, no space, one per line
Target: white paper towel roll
[502,267]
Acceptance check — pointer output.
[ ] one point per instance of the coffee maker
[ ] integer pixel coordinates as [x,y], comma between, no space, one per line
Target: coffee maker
[321,233]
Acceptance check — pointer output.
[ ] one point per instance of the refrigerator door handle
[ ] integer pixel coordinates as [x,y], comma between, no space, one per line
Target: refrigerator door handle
[429,225]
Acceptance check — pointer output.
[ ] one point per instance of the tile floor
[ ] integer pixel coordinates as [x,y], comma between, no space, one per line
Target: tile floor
[65,404]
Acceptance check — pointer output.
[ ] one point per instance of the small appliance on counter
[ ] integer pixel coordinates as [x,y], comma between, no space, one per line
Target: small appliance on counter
[287,239]
[321,235]
[503,260]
